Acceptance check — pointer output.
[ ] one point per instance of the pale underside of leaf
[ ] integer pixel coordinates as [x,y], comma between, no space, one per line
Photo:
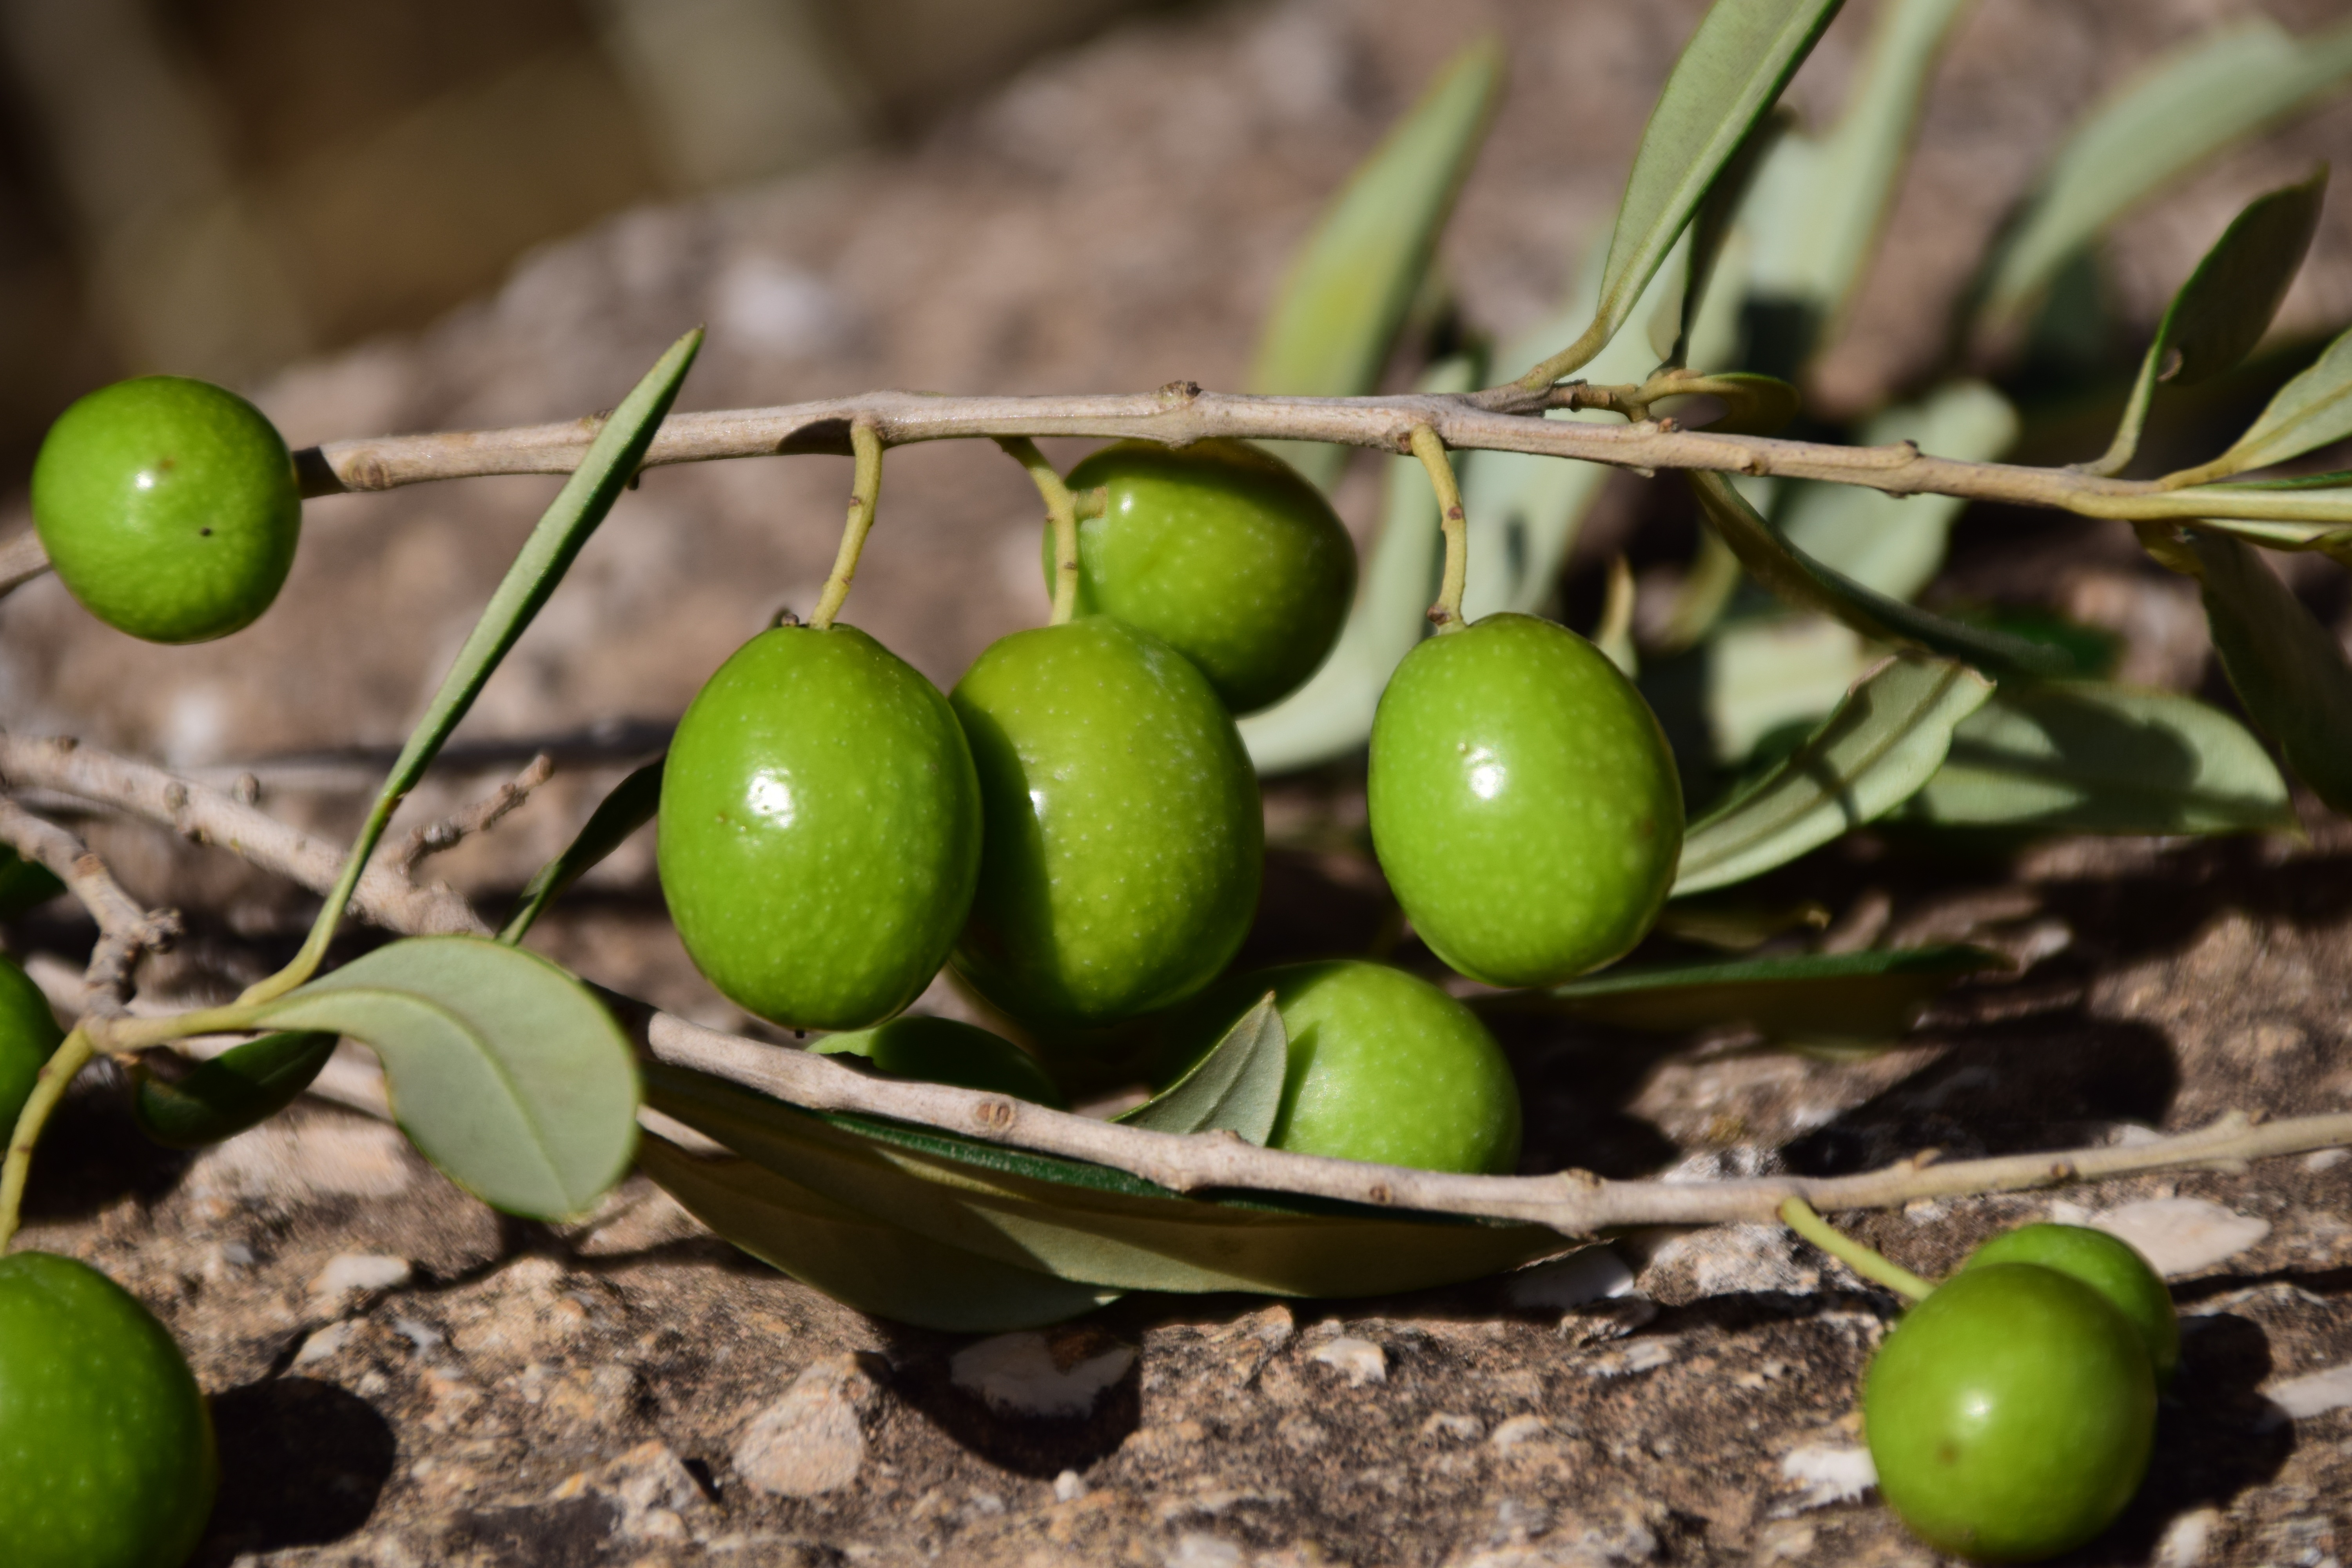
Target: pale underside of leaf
[2308,412]
[1236,1088]
[2289,671]
[1816,996]
[1882,742]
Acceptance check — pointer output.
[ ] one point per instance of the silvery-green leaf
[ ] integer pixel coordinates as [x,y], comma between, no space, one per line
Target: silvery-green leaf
[858,1259]
[1331,327]
[2088,757]
[1085,1223]
[2222,312]
[1236,1088]
[1894,545]
[1753,677]
[1728,75]
[2288,668]
[630,806]
[1882,742]
[1816,996]
[2172,116]
[504,1070]
[2310,411]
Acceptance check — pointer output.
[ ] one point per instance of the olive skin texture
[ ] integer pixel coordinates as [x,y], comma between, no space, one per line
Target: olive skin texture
[1221,550]
[819,830]
[943,1050]
[104,1437]
[1124,839]
[2011,1414]
[2107,1264]
[1524,803]
[169,508]
[1384,1067]
[29,1035]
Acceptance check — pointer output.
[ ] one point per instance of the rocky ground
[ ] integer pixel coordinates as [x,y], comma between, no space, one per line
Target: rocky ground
[402,1378]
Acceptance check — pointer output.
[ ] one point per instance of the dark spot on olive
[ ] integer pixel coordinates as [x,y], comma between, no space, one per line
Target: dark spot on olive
[204,532]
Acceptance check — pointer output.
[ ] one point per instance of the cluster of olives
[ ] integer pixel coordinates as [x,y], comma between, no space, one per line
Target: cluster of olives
[2011,1414]
[1076,828]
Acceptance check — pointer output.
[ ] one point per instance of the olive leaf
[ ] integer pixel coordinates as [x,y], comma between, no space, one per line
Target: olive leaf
[1236,1088]
[1728,75]
[859,1259]
[629,806]
[1880,745]
[2309,411]
[503,1070]
[241,1088]
[1805,583]
[25,884]
[1349,290]
[1085,1223]
[2288,668]
[2222,312]
[1805,996]
[2172,116]
[2088,757]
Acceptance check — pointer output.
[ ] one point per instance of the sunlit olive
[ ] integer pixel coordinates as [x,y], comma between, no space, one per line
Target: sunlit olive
[2107,1264]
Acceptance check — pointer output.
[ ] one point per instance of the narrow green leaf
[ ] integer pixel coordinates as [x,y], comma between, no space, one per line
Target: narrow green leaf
[1347,292]
[504,1070]
[2186,107]
[2088,757]
[2222,312]
[1882,742]
[1805,583]
[1236,1088]
[1085,1224]
[2310,411]
[620,813]
[1810,997]
[241,1088]
[858,1259]
[2288,668]
[1730,75]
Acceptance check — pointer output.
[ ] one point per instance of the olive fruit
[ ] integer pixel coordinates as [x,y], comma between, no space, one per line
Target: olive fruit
[1383,1066]
[169,508]
[29,1035]
[942,1050]
[1221,550]
[105,1443]
[2107,1264]
[1524,804]
[1124,840]
[820,828]
[2011,1414]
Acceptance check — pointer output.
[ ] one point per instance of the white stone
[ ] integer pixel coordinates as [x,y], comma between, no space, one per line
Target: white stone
[2312,1393]
[1021,1374]
[1360,1361]
[808,1441]
[1518,1429]
[1196,1549]
[308,1156]
[2185,1539]
[1829,1475]
[324,1344]
[1069,1486]
[2181,1235]
[2322,1160]
[1589,1274]
[360,1272]
[656,1492]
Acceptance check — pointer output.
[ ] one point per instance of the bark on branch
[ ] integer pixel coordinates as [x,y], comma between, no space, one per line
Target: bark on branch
[126,932]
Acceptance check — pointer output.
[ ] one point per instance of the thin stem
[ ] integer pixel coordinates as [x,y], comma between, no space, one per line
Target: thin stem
[1593,339]
[1446,613]
[865,494]
[63,1067]
[1798,1216]
[1062,511]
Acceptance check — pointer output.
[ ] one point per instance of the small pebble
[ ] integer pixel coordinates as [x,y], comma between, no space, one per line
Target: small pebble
[1360,1361]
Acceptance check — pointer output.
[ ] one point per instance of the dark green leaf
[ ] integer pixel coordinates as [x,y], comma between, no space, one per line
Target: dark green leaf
[2085,757]
[1806,997]
[503,1070]
[25,884]
[1730,75]
[856,1258]
[1883,741]
[2288,668]
[1337,317]
[620,813]
[241,1088]
[1236,1088]
[2310,411]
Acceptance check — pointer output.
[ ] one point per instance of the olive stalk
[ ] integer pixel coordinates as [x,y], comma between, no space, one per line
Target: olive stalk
[1446,613]
[64,1064]
[865,496]
[1799,1216]
[1062,511]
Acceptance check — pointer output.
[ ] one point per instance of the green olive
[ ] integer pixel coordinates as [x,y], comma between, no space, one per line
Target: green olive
[1384,1067]
[1524,804]
[29,1035]
[820,829]
[169,508]
[1221,550]
[1124,840]
[941,1050]
[2011,1414]
[2107,1264]
[106,1447]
